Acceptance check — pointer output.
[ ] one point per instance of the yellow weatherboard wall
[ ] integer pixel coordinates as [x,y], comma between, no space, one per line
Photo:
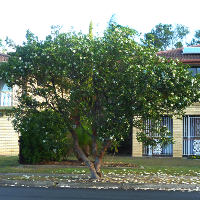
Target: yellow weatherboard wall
[8,137]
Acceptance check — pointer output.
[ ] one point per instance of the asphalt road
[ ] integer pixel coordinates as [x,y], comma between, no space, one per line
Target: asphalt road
[22,193]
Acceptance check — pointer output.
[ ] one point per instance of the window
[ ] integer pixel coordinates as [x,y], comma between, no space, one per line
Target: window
[194,70]
[159,150]
[191,135]
[5,94]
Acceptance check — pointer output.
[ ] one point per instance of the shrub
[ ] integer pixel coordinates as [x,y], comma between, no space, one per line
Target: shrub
[194,157]
[43,137]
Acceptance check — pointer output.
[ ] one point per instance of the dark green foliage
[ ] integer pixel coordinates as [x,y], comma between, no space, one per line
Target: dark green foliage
[43,137]
[84,138]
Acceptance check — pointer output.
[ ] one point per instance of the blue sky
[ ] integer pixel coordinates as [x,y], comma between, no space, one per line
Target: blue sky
[38,15]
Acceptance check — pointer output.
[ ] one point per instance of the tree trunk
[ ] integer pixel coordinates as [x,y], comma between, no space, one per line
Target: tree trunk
[79,151]
[94,143]
[86,150]
[97,164]
[98,160]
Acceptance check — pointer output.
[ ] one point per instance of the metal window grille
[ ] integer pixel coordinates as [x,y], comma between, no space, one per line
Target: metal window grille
[165,150]
[191,135]
[6,98]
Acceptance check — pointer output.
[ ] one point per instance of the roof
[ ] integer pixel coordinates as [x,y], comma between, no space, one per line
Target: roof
[3,57]
[192,59]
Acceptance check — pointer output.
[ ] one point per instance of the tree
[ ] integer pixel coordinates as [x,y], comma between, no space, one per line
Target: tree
[196,39]
[6,45]
[0,42]
[1,46]
[164,36]
[101,85]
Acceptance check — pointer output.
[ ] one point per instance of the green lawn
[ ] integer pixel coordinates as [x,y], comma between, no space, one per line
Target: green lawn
[155,161]
[172,166]
[8,161]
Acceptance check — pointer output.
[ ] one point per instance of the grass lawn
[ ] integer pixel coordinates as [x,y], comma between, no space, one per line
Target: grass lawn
[171,166]
[155,161]
[154,165]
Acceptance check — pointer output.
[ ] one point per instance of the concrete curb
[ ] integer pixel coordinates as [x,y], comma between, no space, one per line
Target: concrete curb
[100,185]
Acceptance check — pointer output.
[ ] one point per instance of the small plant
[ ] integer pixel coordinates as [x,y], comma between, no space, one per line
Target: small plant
[194,157]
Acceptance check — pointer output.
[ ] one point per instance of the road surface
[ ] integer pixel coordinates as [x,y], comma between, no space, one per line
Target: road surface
[23,193]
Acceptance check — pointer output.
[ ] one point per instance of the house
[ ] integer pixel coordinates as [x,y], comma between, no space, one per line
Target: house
[8,136]
[186,131]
